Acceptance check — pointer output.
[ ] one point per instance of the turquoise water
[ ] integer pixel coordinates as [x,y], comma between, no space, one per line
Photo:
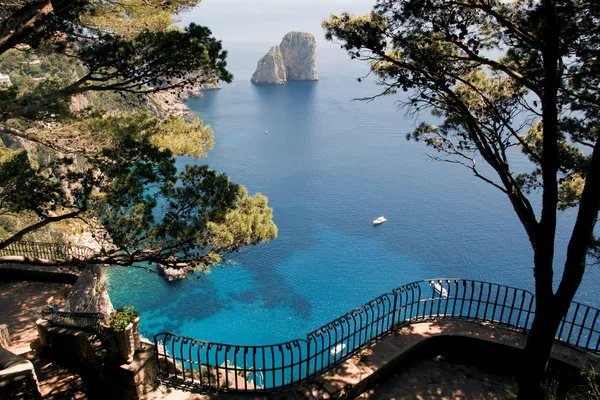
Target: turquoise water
[329,166]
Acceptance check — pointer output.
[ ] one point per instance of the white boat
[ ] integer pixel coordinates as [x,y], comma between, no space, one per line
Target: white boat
[440,289]
[337,349]
[379,220]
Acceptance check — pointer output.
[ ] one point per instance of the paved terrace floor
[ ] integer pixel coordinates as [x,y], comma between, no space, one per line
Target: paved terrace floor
[21,304]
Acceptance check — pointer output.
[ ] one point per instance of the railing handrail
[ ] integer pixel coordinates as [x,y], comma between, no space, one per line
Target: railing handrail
[74,314]
[43,250]
[74,319]
[337,340]
[190,339]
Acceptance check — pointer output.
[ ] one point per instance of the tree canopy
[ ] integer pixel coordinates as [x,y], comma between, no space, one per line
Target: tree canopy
[109,162]
[503,76]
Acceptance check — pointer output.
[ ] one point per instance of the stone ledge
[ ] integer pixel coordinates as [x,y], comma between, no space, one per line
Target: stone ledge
[17,376]
[20,272]
[371,363]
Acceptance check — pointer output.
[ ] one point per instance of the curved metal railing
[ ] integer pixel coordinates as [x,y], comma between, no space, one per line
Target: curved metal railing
[47,251]
[80,320]
[275,367]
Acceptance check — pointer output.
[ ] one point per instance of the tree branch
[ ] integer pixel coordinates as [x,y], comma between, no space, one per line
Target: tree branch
[19,235]
[544,248]
[16,36]
[583,230]
[74,88]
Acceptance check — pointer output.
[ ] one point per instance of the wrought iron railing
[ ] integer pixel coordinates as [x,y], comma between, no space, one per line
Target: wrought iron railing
[88,321]
[84,320]
[275,367]
[47,251]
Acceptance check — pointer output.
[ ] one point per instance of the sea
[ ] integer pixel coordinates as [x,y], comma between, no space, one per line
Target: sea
[329,164]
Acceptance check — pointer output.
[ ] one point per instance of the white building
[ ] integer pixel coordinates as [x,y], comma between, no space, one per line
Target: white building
[5,81]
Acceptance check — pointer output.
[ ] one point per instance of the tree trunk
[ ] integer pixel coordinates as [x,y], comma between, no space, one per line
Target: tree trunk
[537,351]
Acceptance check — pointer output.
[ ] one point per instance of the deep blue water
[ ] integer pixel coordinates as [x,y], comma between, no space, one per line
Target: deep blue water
[329,166]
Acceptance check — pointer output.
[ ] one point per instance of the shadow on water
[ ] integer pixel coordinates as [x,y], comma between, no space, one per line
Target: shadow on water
[269,287]
[172,303]
[294,92]
[287,107]
[292,103]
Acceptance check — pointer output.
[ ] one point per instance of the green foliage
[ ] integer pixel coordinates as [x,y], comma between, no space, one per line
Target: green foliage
[37,64]
[551,389]
[129,17]
[149,210]
[111,163]
[590,390]
[122,317]
[126,47]
[24,186]
[57,233]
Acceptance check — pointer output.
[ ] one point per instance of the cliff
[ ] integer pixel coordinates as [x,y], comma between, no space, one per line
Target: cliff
[293,60]
[270,69]
[299,56]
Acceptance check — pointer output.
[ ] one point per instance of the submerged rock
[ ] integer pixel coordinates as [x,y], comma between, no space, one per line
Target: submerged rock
[172,274]
[293,60]
[216,85]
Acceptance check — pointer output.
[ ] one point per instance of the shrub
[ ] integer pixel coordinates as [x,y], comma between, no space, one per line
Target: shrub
[121,318]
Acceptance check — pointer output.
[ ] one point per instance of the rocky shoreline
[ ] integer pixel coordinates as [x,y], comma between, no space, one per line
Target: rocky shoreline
[172,102]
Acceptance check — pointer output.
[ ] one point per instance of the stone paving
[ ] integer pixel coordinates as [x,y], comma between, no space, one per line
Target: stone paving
[352,376]
[442,379]
[22,303]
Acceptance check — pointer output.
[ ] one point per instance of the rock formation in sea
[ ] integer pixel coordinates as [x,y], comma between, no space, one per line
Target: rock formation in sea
[172,274]
[293,60]
[270,69]
[299,56]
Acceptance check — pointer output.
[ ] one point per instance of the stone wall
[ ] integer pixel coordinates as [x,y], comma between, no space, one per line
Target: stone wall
[20,272]
[82,351]
[17,377]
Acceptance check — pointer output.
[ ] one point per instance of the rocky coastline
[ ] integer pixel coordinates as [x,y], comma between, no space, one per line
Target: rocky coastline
[172,101]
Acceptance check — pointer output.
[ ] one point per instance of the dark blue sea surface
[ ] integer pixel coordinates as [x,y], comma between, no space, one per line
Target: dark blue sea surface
[329,166]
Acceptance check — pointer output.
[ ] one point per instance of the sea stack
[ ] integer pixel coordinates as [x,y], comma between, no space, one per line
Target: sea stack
[270,69]
[293,60]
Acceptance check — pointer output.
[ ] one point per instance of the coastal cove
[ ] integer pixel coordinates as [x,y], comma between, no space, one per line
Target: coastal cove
[307,199]
[329,166]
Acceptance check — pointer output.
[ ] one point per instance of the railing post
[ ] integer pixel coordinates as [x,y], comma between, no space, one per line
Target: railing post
[156,355]
[307,357]
[394,310]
